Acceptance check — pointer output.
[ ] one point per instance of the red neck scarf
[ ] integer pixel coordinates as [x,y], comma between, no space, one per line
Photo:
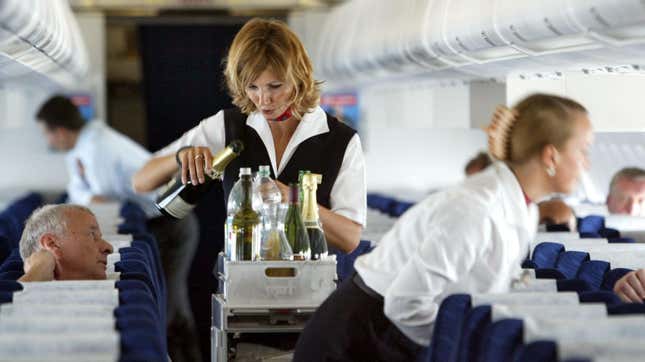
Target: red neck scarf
[284,116]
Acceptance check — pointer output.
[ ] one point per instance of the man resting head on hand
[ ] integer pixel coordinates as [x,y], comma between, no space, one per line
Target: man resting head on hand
[63,242]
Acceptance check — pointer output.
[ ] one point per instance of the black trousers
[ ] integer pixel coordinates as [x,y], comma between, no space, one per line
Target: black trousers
[351,326]
[178,240]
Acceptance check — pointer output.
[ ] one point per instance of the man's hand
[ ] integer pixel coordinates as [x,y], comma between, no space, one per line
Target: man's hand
[39,267]
[631,287]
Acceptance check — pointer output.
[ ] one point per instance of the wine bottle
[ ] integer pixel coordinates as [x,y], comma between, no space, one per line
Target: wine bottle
[178,199]
[232,207]
[246,222]
[295,228]
[312,222]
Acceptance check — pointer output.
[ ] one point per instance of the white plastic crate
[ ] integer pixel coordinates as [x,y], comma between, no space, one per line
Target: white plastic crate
[247,285]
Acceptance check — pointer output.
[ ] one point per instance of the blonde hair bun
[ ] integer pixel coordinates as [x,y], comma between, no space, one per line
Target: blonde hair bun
[499,131]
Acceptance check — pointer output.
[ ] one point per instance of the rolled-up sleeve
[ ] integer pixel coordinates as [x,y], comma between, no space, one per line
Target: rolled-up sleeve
[349,194]
[453,239]
[208,133]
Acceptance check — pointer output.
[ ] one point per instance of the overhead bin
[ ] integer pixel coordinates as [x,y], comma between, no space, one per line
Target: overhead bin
[474,39]
[41,37]
[607,22]
[435,17]
[538,27]
[469,30]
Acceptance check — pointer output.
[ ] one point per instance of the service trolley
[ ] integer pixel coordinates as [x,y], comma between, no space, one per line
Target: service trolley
[267,297]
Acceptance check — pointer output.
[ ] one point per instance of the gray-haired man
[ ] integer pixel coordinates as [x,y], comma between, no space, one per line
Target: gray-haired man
[63,242]
[627,192]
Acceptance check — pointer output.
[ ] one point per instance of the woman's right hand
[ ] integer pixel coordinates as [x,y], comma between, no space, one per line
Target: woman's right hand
[193,162]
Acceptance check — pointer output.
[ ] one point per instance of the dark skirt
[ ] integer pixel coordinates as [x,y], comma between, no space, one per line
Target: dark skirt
[351,326]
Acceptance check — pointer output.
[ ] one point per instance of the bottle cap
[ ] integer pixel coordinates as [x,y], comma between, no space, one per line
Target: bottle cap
[236,146]
[245,171]
[264,170]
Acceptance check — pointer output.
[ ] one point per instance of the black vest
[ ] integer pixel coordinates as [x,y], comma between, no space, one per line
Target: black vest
[322,154]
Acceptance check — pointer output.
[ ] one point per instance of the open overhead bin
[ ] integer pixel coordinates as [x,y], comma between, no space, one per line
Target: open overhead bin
[41,40]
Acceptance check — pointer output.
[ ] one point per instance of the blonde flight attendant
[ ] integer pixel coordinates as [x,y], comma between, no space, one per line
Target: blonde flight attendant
[270,79]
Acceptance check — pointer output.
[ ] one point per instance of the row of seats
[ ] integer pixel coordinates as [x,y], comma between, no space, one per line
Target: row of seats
[122,318]
[12,221]
[388,205]
[562,309]
[591,226]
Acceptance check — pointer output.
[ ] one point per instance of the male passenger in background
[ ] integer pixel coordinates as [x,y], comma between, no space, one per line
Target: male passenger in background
[478,163]
[63,242]
[627,192]
[100,163]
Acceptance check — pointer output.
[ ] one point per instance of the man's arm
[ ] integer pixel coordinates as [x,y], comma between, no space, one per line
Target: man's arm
[39,267]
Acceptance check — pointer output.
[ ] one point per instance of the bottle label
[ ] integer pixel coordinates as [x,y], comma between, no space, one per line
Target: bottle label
[177,207]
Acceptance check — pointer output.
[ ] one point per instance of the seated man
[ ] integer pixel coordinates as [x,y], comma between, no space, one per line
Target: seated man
[478,163]
[627,192]
[63,242]
[557,212]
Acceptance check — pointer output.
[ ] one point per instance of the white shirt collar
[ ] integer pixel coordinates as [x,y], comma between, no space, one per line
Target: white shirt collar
[312,124]
[85,135]
[516,211]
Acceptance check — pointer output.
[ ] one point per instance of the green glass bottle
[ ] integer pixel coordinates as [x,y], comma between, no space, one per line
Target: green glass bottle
[311,218]
[295,228]
[246,225]
[301,195]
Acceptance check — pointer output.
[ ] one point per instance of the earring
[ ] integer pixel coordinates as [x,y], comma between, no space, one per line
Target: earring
[550,171]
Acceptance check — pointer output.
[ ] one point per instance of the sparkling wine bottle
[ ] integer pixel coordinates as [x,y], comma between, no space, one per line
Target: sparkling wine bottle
[178,199]
[311,218]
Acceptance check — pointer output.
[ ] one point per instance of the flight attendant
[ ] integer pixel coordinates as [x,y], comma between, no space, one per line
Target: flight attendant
[270,79]
[468,239]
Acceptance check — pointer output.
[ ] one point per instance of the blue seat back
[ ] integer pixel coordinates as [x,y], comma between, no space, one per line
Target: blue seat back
[472,333]
[558,228]
[591,224]
[626,308]
[447,327]
[399,208]
[501,340]
[574,285]
[569,262]
[345,262]
[538,351]
[546,254]
[602,296]
[593,272]
[609,233]
[621,240]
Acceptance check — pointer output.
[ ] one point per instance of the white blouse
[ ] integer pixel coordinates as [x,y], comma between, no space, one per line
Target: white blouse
[468,239]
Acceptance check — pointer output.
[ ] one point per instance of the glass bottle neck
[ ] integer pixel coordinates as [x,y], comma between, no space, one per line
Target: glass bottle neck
[220,160]
[247,192]
[294,195]
[310,205]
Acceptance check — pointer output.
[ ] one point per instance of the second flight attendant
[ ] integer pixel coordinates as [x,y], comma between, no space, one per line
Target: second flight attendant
[467,239]
[270,78]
